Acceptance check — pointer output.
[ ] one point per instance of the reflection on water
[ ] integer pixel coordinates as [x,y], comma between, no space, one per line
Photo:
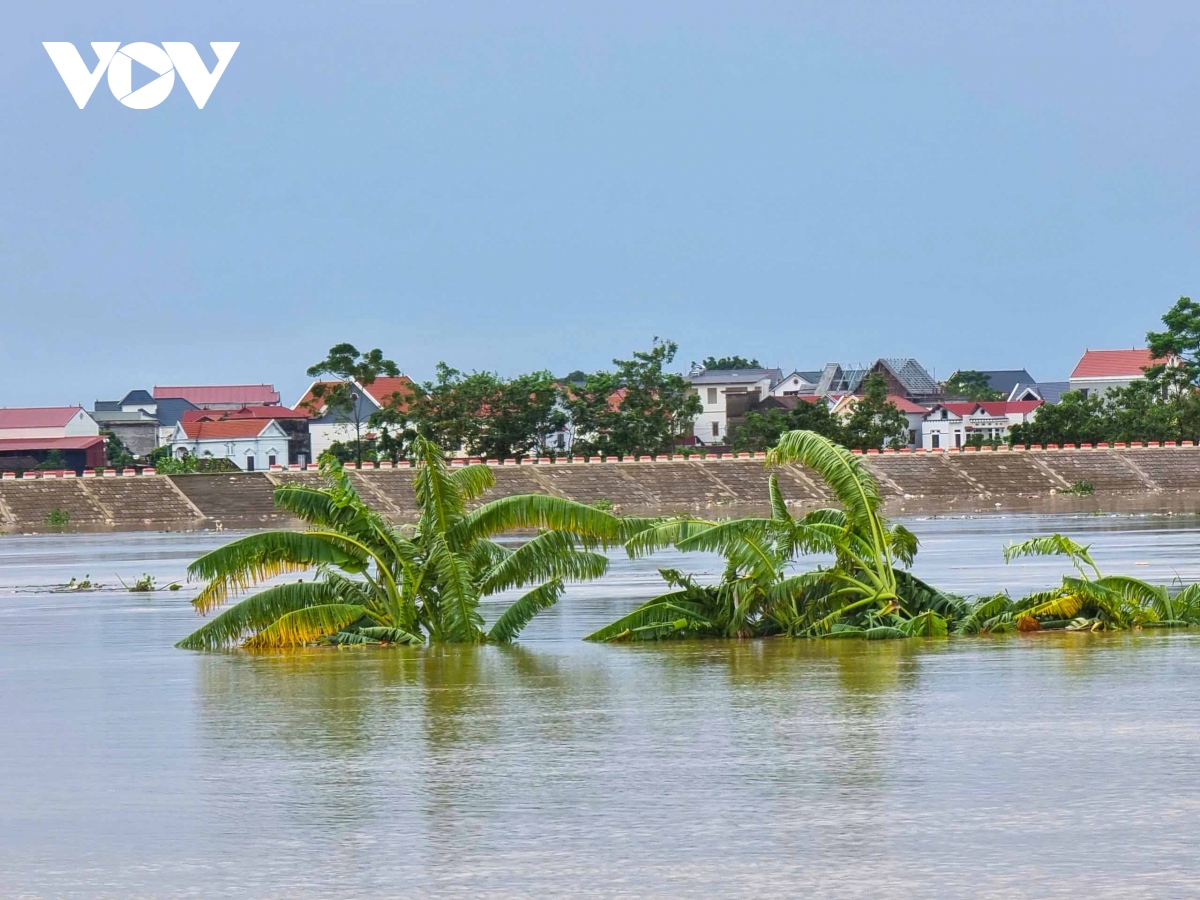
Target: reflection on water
[1012,766]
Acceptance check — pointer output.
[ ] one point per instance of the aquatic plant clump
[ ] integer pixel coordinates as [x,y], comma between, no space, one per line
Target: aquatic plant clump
[377,584]
[867,592]
[1087,601]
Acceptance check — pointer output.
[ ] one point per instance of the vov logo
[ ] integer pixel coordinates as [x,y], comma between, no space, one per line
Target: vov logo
[165,61]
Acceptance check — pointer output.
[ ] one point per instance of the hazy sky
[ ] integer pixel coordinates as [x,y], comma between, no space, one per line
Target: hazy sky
[516,186]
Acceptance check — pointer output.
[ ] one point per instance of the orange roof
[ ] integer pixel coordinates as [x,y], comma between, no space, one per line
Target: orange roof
[381,390]
[246,412]
[905,405]
[1114,364]
[224,429]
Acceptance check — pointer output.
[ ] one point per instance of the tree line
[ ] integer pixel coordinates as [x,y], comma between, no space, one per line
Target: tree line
[637,407]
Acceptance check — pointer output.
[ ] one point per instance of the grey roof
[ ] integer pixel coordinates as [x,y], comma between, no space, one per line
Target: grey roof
[171,409]
[912,375]
[1050,391]
[119,417]
[137,396]
[736,376]
[814,376]
[834,379]
[1004,380]
[106,405]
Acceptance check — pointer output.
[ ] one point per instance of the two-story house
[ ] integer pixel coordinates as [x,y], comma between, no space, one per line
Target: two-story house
[727,394]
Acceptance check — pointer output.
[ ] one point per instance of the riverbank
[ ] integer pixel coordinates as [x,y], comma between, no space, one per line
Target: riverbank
[1133,479]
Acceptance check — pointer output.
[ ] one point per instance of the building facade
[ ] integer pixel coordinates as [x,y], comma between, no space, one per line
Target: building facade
[250,444]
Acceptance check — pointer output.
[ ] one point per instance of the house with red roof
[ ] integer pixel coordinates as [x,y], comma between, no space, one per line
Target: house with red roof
[327,426]
[251,443]
[28,436]
[294,423]
[952,424]
[1099,371]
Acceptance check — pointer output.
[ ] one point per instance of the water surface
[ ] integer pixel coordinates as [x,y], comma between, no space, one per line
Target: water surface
[1045,766]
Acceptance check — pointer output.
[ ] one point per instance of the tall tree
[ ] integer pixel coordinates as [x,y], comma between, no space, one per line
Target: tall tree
[730,362]
[639,408]
[1180,339]
[876,422]
[349,367]
[971,384]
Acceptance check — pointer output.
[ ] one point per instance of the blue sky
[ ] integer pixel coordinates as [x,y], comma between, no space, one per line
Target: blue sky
[515,186]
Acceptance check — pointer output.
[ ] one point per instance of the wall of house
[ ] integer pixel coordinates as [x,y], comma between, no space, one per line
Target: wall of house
[716,412]
[239,451]
[1097,387]
[80,425]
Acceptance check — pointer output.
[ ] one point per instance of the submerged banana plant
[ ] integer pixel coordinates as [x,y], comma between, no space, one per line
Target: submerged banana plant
[1089,601]
[864,593]
[375,583]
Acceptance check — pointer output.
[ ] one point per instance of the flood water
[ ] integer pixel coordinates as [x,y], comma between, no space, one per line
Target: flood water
[1051,765]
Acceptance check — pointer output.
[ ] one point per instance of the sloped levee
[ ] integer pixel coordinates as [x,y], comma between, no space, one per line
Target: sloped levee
[1134,479]
[244,500]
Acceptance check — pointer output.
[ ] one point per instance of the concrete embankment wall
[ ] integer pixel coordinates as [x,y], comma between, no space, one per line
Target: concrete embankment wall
[1149,478]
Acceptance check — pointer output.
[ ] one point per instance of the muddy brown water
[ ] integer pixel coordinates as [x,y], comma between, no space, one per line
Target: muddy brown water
[1061,765]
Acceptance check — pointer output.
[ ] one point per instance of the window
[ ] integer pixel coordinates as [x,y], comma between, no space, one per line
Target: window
[716,428]
[562,441]
[958,439]
[271,460]
[912,436]
[937,440]
[712,396]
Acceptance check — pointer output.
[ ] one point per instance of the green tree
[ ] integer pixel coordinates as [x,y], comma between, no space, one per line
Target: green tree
[639,408]
[971,384]
[875,421]
[487,415]
[730,362]
[762,430]
[1180,339]
[379,584]
[116,452]
[350,368]
[55,459]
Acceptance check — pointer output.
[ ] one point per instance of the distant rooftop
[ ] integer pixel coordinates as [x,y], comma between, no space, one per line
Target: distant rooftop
[1113,364]
[1004,380]
[736,376]
[37,416]
[202,394]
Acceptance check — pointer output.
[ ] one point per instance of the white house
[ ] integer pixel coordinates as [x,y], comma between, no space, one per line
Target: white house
[326,426]
[796,384]
[951,424]
[717,388]
[1099,371]
[250,444]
